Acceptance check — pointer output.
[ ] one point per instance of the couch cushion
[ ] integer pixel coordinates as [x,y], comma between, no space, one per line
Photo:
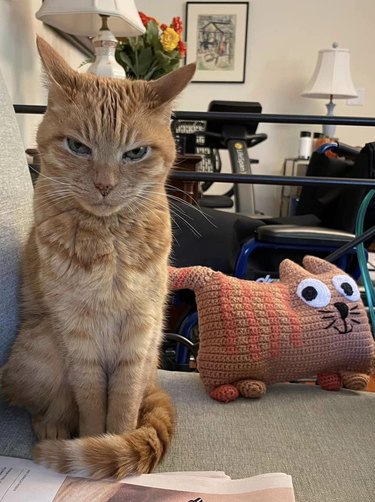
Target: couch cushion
[15,218]
[325,440]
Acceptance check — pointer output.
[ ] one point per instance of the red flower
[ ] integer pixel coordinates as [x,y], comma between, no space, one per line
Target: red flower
[177,24]
[146,19]
[182,48]
[163,26]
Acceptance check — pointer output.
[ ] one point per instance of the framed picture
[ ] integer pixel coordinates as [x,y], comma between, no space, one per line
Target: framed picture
[216,38]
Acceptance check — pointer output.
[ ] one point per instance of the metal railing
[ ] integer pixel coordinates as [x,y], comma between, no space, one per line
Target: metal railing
[256,179]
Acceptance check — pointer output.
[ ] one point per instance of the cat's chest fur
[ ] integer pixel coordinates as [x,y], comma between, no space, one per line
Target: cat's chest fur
[103,271]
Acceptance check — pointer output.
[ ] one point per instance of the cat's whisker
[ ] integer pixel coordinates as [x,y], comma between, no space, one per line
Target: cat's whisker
[193,230]
[328,317]
[43,176]
[179,210]
[354,313]
[353,308]
[143,204]
[52,197]
[54,191]
[326,311]
[171,187]
[184,202]
[198,209]
[149,209]
[356,321]
[49,203]
[187,223]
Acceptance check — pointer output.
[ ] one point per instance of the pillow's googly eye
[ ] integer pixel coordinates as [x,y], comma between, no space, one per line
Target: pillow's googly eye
[314,293]
[347,287]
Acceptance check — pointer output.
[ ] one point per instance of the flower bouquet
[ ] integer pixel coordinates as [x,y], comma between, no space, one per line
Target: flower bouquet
[153,54]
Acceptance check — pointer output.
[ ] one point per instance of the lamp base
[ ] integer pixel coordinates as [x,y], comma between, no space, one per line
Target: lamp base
[105,64]
[329,129]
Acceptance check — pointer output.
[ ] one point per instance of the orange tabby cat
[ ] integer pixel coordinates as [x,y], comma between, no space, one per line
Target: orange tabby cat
[95,274]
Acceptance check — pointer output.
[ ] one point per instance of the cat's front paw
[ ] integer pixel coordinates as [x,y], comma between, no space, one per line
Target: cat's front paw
[51,430]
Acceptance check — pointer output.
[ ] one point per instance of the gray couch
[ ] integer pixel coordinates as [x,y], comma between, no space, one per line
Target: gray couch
[325,440]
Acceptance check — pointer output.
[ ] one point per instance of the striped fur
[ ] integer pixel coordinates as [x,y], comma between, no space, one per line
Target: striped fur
[111,455]
[95,275]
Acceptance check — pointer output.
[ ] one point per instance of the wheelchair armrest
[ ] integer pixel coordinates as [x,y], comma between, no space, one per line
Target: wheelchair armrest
[314,236]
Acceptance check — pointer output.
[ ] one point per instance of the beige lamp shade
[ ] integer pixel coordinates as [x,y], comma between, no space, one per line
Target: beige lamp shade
[332,75]
[81,17]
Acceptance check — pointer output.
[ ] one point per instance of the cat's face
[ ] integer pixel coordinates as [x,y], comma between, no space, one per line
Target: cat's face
[106,143]
[323,293]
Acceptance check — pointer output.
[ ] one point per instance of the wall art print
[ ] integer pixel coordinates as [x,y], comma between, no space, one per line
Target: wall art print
[216,37]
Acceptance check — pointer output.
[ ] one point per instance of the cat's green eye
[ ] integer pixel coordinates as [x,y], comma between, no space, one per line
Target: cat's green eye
[135,154]
[78,148]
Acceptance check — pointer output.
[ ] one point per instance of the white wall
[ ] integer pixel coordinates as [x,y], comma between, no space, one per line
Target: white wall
[283,41]
[19,59]
[284,37]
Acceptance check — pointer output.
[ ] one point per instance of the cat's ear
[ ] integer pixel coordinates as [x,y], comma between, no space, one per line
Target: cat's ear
[169,86]
[318,266]
[290,271]
[55,67]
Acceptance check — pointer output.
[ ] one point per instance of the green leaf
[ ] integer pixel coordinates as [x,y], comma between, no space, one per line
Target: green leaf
[150,75]
[136,43]
[152,33]
[127,62]
[144,61]
[161,56]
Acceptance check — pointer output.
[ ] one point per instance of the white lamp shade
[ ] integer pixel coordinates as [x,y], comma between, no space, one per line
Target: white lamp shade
[81,17]
[331,76]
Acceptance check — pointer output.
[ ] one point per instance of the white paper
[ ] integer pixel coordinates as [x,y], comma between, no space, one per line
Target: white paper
[218,484]
[24,481]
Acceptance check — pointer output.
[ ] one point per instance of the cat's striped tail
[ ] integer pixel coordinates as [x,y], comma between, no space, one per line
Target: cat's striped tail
[113,455]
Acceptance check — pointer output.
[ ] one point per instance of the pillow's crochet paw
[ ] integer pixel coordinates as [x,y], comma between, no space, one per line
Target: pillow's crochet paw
[225,393]
[251,388]
[329,381]
[354,381]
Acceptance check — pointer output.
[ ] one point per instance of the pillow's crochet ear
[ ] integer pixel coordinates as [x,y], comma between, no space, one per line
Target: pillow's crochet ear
[290,271]
[319,266]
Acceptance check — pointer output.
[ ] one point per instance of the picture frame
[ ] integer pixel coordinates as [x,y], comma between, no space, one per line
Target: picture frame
[216,38]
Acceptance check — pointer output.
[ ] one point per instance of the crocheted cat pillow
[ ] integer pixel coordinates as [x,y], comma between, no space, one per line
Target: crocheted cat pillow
[253,334]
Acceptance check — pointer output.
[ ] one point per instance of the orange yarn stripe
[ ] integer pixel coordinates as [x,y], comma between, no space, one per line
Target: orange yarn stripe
[295,324]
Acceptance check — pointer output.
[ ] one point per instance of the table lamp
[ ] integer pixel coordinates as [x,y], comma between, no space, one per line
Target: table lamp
[101,19]
[331,79]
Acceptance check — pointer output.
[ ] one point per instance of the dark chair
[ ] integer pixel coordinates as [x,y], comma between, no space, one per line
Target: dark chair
[266,246]
[325,216]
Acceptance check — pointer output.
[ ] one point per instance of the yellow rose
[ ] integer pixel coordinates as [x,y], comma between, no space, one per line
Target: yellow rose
[169,39]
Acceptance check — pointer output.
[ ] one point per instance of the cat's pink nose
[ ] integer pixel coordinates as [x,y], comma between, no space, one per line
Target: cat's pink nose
[104,189]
